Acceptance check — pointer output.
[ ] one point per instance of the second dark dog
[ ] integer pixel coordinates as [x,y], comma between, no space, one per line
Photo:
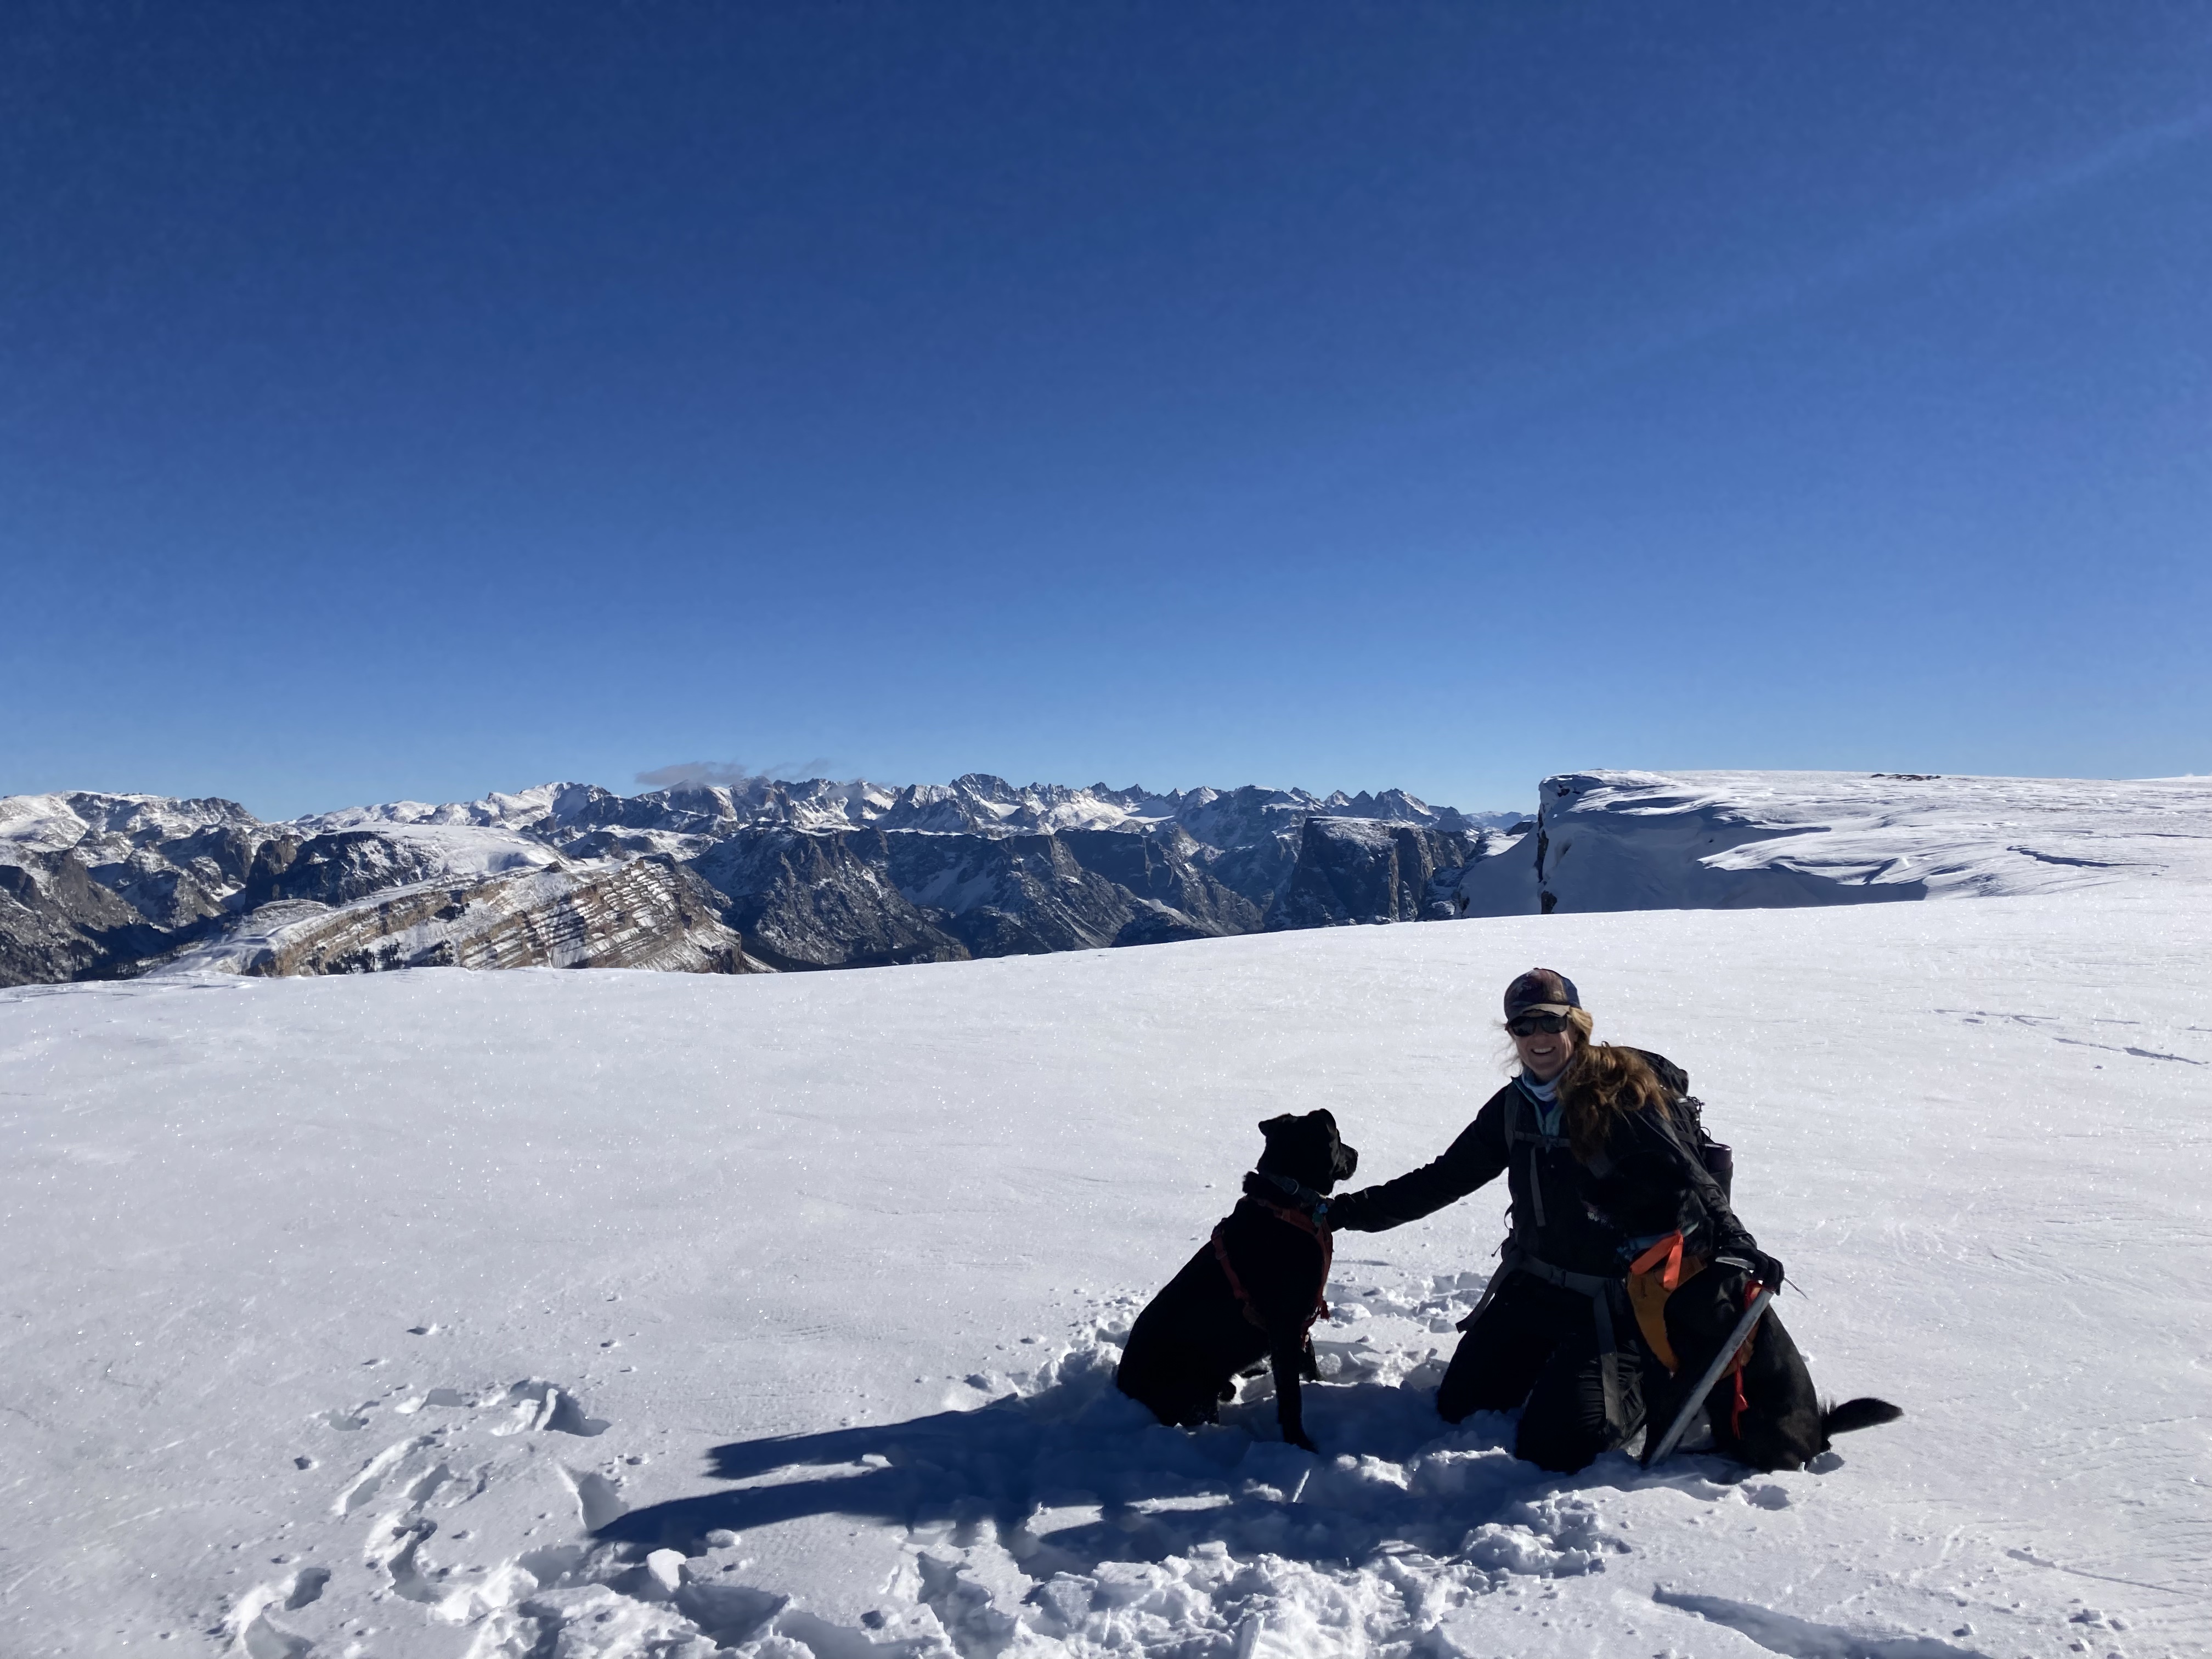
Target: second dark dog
[1782,1424]
[1253,1291]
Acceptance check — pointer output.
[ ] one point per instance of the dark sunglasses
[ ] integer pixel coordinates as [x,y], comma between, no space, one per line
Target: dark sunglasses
[1529,1024]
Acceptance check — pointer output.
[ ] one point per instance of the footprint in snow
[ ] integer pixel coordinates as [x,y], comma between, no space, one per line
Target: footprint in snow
[463,1520]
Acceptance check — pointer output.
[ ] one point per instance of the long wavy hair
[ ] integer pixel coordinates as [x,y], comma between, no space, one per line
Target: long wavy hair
[1601,1086]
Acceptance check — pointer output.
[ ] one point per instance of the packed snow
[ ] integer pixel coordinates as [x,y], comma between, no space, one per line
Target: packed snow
[596,1314]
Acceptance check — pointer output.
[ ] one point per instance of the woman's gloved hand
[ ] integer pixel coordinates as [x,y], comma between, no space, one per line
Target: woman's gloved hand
[1766,1269]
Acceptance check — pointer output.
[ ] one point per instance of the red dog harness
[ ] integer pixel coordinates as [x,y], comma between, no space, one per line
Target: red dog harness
[1303,1223]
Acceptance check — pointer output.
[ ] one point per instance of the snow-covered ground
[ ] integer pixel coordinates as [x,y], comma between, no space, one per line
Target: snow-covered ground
[339,1309]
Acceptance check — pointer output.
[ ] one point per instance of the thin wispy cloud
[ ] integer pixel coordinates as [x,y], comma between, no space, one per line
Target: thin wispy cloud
[1893,251]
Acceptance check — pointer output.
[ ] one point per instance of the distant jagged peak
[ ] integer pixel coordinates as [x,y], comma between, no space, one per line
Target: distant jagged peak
[519,811]
[55,821]
[564,813]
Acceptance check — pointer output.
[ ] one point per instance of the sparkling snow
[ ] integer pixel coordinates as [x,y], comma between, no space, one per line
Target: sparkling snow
[340,1310]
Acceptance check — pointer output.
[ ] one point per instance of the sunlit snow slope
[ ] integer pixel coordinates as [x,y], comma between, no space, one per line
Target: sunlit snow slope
[1740,840]
[340,1308]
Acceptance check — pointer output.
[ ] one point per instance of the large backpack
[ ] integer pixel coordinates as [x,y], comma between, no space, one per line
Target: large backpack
[1689,1113]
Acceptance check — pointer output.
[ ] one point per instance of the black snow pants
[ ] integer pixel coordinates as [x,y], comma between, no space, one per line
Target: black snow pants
[1538,1343]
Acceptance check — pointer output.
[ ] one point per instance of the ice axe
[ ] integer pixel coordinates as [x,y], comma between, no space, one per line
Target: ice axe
[1668,1441]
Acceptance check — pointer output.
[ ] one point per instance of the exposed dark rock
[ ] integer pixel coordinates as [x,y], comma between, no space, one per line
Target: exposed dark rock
[91,884]
[335,869]
[1011,895]
[1165,867]
[1155,923]
[58,923]
[1501,882]
[1259,870]
[821,900]
[1358,869]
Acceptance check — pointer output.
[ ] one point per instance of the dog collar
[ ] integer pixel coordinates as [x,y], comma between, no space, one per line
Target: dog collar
[1296,1191]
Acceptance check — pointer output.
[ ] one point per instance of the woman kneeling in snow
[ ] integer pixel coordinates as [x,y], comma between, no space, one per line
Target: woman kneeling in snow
[1603,1156]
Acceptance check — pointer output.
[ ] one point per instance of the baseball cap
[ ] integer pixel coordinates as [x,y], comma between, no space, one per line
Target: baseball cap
[1540,991]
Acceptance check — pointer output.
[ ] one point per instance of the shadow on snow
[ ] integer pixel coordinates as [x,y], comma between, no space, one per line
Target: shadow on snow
[1075,1474]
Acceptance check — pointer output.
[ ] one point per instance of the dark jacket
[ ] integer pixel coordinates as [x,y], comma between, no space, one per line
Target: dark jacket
[1649,1180]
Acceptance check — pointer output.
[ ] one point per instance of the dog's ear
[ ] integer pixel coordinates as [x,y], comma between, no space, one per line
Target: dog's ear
[1348,1161]
[1272,1127]
[1324,1114]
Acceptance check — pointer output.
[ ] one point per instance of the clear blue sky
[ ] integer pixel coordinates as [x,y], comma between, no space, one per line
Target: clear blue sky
[416,399]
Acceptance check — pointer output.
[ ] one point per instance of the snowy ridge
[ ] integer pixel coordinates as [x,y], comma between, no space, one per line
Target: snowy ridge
[1639,841]
[112,824]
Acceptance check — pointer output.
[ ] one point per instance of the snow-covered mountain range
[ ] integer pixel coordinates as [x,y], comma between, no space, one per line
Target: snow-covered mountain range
[816,874]
[812,874]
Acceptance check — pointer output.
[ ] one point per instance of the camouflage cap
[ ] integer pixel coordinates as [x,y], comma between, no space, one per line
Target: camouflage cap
[1540,991]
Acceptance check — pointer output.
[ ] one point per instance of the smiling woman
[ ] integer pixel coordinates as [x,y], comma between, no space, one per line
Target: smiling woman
[1602,1166]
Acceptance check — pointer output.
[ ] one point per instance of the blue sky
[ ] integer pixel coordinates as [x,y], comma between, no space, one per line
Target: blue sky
[416,400]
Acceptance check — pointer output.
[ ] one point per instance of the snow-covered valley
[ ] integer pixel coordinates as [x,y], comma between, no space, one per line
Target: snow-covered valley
[342,1310]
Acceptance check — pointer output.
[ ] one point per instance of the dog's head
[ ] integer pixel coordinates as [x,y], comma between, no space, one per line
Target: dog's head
[1306,1149]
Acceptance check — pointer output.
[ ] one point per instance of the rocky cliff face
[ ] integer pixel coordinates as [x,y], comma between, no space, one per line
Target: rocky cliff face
[866,897]
[1358,869]
[822,899]
[103,886]
[92,883]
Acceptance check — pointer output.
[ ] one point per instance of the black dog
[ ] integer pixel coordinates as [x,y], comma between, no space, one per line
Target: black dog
[1782,1424]
[1252,1292]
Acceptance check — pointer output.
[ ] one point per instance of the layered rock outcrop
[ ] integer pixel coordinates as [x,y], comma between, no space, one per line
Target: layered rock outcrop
[649,912]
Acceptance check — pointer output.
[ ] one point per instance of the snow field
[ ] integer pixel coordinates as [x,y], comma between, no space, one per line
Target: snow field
[343,1312]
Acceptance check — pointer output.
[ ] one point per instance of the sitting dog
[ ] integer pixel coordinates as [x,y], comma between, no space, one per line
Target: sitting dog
[1780,1423]
[1252,1292]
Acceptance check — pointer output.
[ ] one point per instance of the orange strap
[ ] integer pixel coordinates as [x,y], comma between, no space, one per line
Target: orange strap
[1668,1249]
[1740,1405]
[1652,1278]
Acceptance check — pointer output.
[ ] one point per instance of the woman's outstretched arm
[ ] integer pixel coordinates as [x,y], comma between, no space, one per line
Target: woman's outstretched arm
[1476,1156]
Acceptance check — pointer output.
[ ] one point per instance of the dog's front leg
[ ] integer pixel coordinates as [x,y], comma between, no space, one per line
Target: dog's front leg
[1288,1356]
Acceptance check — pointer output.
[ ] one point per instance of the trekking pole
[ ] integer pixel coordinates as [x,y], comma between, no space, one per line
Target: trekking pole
[1667,1443]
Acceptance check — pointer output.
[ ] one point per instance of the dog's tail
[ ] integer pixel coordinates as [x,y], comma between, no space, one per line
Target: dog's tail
[1863,1413]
